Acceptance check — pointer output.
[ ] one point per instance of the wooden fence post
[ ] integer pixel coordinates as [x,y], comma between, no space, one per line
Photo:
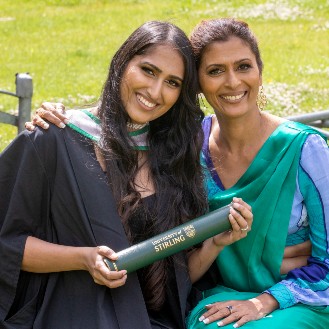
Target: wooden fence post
[24,91]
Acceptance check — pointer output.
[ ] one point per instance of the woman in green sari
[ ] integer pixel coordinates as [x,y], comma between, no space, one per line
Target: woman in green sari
[281,169]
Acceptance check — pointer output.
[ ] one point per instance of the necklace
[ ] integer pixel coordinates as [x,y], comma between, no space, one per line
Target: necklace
[136,126]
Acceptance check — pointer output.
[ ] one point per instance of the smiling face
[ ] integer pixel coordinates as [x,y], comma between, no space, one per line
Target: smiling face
[229,77]
[151,83]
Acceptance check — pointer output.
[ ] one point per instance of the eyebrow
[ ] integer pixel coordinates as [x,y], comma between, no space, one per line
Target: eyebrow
[236,62]
[160,71]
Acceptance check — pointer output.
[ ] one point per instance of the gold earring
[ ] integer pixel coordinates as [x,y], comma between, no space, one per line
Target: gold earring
[202,101]
[261,100]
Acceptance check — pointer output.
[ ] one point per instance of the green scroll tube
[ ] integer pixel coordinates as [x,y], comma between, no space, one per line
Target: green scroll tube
[171,241]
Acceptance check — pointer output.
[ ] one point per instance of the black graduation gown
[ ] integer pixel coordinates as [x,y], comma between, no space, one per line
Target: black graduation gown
[52,187]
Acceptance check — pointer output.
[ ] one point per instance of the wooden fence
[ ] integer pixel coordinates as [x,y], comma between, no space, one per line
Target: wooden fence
[24,93]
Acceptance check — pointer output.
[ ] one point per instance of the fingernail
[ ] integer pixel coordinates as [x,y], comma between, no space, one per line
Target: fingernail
[235,325]
[206,321]
[208,304]
[66,121]
[220,324]
[46,125]
[201,318]
[62,125]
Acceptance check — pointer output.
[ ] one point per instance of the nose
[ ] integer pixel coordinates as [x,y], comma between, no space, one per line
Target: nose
[155,89]
[232,79]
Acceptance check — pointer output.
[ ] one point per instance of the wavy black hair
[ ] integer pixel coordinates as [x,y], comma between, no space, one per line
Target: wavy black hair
[175,141]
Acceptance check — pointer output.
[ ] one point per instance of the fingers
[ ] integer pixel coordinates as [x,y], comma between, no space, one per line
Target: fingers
[215,312]
[53,112]
[38,121]
[102,274]
[238,222]
[112,279]
[239,312]
[57,108]
[243,203]
[107,252]
[240,219]
[219,311]
[242,213]
[29,126]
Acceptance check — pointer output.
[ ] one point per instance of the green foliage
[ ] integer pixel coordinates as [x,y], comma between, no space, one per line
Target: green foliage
[66,46]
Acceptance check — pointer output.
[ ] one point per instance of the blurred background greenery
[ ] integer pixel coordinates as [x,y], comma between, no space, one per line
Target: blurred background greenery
[66,46]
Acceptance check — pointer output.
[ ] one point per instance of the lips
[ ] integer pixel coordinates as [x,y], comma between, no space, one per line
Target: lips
[145,102]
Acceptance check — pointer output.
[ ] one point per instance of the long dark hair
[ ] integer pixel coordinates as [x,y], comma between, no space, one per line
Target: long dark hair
[175,141]
[222,29]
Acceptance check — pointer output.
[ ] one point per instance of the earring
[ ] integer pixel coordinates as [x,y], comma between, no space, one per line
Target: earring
[202,103]
[261,100]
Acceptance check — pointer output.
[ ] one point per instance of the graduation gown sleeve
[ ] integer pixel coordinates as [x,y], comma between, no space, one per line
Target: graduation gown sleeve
[24,207]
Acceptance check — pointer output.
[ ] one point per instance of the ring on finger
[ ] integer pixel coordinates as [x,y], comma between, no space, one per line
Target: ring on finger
[230,308]
[245,228]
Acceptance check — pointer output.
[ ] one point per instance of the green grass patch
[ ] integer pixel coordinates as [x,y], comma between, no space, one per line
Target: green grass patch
[66,46]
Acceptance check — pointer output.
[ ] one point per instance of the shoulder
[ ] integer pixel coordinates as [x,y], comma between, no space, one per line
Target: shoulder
[314,161]
[30,150]
[315,149]
[292,127]
[44,139]
[32,139]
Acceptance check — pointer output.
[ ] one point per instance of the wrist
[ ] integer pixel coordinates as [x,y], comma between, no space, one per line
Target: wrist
[265,303]
[83,256]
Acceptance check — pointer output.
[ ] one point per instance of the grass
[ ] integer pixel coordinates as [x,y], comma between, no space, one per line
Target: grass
[66,46]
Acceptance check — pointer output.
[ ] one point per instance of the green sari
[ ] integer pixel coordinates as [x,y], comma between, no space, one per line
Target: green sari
[252,265]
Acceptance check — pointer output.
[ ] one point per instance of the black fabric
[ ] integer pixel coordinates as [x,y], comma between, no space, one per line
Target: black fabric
[143,225]
[52,187]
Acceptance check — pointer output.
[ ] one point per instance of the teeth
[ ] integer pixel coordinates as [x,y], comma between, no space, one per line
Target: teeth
[233,98]
[145,102]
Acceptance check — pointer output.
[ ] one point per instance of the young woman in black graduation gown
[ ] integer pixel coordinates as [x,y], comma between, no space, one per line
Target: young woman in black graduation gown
[67,202]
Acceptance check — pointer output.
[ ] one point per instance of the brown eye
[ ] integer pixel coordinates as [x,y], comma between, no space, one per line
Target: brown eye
[244,67]
[216,71]
[148,70]
[173,83]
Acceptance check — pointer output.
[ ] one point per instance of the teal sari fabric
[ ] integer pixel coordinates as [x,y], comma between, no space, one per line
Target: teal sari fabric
[297,317]
[252,265]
